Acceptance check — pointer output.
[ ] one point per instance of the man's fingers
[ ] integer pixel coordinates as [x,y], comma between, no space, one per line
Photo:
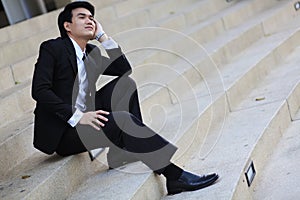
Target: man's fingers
[102,112]
[102,118]
[94,126]
[96,121]
[93,119]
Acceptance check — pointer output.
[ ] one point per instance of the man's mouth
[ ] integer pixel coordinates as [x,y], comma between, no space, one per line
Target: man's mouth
[89,28]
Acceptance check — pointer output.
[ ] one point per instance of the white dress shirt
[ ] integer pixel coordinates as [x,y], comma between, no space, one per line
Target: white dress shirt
[83,81]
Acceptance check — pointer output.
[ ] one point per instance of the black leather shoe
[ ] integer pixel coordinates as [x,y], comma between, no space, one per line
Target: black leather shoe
[190,182]
[118,158]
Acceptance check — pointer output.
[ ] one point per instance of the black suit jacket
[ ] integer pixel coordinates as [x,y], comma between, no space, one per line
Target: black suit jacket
[55,86]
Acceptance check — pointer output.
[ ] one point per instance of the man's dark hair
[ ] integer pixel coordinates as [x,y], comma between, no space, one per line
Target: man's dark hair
[66,14]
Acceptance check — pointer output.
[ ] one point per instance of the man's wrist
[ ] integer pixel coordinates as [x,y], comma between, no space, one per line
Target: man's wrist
[99,35]
[73,121]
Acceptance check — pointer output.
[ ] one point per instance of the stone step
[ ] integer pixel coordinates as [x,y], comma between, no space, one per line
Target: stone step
[16,142]
[22,70]
[246,133]
[136,19]
[20,31]
[15,102]
[230,153]
[279,179]
[251,31]
[47,177]
[137,194]
[265,117]
[17,74]
[157,98]
[278,109]
[21,74]
[213,81]
[293,101]
[267,143]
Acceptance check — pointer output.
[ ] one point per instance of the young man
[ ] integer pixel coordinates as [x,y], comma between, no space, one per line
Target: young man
[71,117]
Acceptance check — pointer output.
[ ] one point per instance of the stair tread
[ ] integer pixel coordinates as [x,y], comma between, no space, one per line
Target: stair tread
[232,143]
[280,177]
[233,138]
[39,167]
[31,177]
[10,130]
[103,185]
[224,37]
[268,89]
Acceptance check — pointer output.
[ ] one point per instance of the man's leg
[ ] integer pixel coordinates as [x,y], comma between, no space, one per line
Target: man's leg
[124,130]
[119,95]
[70,143]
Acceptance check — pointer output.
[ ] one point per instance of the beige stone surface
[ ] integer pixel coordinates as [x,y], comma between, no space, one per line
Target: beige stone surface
[185,96]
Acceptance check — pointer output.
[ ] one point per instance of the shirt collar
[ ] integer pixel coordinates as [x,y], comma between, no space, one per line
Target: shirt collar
[79,52]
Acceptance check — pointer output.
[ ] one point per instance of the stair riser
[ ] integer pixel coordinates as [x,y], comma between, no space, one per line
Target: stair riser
[268,140]
[78,169]
[164,94]
[208,32]
[152,189]
[14,52]
[276,22]
[15,105]
[293,101]
[23,30]
[127,7]
[23,71]
[18,51]
[16,149]
[220,56]
[64,180]
[207,8]
[195,136]
[258,72]
[237,45]
[168,8]
[6,79]
[235,18]
[234,92]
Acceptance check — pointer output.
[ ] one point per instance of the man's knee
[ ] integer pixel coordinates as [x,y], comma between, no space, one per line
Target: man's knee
[62,153]
[126,81]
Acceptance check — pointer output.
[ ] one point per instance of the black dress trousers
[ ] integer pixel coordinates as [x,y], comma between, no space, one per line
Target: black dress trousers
[124,129]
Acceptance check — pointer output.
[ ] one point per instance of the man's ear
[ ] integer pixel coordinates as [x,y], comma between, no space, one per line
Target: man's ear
[67,26]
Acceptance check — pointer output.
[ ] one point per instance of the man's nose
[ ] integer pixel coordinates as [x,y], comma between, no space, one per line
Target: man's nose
[90,21]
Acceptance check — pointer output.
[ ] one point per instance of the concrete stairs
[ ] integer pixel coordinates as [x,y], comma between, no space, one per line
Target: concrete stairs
[224,89]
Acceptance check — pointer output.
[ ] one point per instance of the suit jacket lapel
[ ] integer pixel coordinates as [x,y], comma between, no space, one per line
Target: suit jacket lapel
[90,64]
[72,54]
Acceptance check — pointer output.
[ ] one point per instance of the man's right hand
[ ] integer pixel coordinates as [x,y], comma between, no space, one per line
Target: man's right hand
[93,119]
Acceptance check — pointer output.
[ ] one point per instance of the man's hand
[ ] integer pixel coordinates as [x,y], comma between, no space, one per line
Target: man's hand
[99,30]
[93,119]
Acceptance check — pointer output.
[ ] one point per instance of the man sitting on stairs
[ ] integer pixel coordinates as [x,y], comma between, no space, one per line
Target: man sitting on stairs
[71,117]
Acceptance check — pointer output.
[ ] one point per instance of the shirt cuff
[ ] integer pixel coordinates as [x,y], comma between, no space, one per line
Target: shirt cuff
[109,44]
[73,121]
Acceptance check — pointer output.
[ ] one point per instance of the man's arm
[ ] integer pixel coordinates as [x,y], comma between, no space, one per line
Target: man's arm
[42,84]
[117,63]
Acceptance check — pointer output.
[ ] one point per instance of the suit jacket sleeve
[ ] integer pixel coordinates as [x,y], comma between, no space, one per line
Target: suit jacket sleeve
[117,63]
[42,84]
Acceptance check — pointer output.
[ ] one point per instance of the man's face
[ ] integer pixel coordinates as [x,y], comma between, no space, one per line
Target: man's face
[82,26]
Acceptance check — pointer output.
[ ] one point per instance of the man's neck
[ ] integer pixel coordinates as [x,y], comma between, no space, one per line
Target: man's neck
[81,42]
